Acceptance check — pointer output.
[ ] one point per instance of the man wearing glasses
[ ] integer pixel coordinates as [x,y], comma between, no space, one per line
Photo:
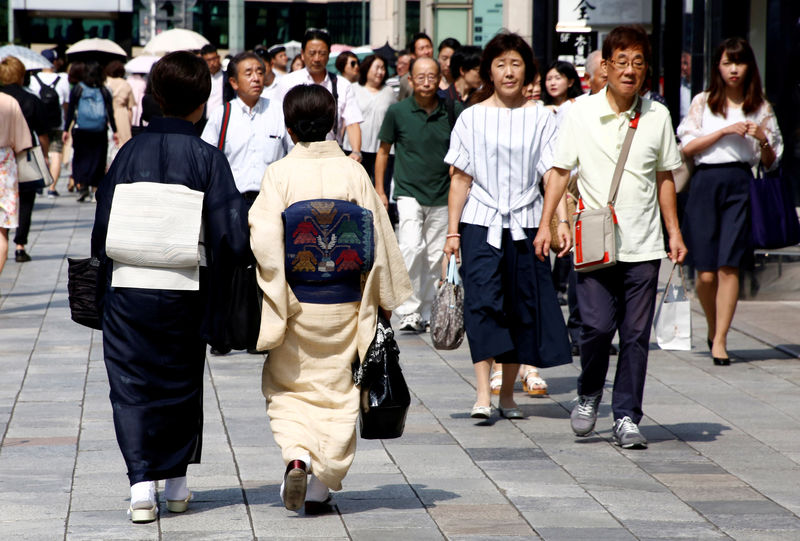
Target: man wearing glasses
[419,127]
[316,49]
[621,297]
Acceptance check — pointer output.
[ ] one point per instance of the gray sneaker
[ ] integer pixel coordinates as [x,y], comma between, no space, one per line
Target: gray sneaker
[627,435]
[584,414]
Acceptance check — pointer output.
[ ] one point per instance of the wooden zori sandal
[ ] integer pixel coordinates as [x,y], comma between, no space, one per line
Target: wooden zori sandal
[532,383]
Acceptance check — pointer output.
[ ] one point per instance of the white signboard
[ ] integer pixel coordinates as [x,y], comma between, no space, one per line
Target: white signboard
[74,5]
[603,12]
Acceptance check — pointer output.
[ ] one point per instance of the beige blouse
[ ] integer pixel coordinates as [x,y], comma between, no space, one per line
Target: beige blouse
[14,130]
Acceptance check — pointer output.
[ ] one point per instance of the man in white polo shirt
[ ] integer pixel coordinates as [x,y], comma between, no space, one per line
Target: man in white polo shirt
[621,297]
[316,49]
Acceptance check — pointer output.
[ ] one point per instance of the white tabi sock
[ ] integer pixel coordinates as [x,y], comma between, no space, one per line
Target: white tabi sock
[316,491]
[143,495]
[175,488]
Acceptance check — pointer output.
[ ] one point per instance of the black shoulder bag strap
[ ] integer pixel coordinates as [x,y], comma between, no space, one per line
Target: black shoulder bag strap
[335,92]
[623,154]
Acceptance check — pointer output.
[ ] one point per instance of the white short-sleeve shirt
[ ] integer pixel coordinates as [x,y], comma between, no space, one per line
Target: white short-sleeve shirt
[348,111]
[506,152]
[591,137]
[255,138]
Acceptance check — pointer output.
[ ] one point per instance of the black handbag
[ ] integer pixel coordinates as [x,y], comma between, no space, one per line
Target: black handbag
[384,394]
[244,311]
[82,276]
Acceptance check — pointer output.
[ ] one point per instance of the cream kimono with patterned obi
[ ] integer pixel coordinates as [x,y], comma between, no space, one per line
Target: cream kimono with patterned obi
[307,380]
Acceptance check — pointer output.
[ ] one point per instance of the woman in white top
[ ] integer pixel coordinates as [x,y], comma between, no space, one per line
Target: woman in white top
[373,98]
[500,149]
[729,129]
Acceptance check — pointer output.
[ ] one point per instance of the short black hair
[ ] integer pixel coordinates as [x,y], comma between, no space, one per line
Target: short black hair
[115,68]
[467,57]
[180,83]
[263,52]
[233,65]
[309,111]
[316,33]
[342,59]
[418,36]
[207,49]
[452,43]
[366,64]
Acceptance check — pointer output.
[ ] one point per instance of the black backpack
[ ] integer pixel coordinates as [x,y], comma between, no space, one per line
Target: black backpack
[51,103]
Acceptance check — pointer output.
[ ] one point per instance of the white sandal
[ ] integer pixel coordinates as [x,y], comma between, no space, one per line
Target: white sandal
[496,381]
[532,382]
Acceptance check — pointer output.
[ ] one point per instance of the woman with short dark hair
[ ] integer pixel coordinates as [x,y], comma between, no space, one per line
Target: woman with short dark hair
[348,66]
[511,314]
[374,98]
[159,313]
[309,227]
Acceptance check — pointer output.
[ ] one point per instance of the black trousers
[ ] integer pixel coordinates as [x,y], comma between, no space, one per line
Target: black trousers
[26,199]
[623,298]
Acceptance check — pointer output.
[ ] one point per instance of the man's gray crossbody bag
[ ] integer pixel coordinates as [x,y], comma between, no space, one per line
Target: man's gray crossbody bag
[595,229]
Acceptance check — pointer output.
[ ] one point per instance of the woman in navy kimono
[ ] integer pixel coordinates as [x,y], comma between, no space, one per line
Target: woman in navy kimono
[154,340]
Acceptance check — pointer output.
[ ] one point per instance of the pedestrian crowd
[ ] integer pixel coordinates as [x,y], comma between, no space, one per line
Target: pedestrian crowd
[343,193]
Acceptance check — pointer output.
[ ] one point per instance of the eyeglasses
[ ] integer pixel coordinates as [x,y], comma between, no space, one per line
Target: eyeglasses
[422,78]
[622,65]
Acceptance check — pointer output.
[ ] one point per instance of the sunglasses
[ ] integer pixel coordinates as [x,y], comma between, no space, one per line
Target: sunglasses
[353,64]
[320,30]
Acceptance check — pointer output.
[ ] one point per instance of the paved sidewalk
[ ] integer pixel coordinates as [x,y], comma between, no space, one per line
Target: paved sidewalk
[723,462]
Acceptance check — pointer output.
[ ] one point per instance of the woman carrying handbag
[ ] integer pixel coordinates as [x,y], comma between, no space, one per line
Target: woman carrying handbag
[730,128]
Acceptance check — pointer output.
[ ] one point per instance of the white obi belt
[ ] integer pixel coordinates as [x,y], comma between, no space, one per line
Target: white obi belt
[155,236]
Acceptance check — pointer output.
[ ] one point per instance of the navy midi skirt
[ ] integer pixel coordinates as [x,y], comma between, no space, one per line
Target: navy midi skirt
[716,226]
[511,311]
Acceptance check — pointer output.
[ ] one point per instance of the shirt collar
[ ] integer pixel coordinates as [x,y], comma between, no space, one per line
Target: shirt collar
[605,107]
[415,106]
[317,149]
[258,108]
[171,125]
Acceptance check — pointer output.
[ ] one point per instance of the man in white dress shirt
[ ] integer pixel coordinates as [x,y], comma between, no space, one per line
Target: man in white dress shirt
[316,49]
[271,78]
[255,134]
[211,56]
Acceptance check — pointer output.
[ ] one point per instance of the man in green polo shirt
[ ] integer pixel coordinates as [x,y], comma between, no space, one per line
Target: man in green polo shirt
[419,128]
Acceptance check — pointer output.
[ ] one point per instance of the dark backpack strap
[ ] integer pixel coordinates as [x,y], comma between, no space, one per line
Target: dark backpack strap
[450,106]
[226,117]
[54,83]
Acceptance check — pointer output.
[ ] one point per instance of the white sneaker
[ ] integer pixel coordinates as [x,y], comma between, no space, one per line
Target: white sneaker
[412,322]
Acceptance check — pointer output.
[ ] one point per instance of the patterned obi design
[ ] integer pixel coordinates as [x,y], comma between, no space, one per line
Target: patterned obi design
[330,244]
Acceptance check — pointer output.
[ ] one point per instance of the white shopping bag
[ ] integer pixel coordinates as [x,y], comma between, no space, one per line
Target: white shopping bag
[673,321]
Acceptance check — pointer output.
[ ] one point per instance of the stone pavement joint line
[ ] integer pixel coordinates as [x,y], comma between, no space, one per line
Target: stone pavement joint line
[723,462]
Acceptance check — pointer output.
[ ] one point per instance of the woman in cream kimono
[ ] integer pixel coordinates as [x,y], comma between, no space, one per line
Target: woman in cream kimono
[307,380]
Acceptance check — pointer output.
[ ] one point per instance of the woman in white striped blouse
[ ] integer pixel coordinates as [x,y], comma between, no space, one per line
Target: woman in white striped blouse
[500,150]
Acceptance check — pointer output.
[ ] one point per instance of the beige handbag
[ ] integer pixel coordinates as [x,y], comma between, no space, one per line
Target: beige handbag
[32,167]
[595,229]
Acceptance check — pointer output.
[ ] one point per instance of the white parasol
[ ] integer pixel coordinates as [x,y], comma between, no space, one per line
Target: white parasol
[29,58]
[141,64]
[97,45]
[177,39]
